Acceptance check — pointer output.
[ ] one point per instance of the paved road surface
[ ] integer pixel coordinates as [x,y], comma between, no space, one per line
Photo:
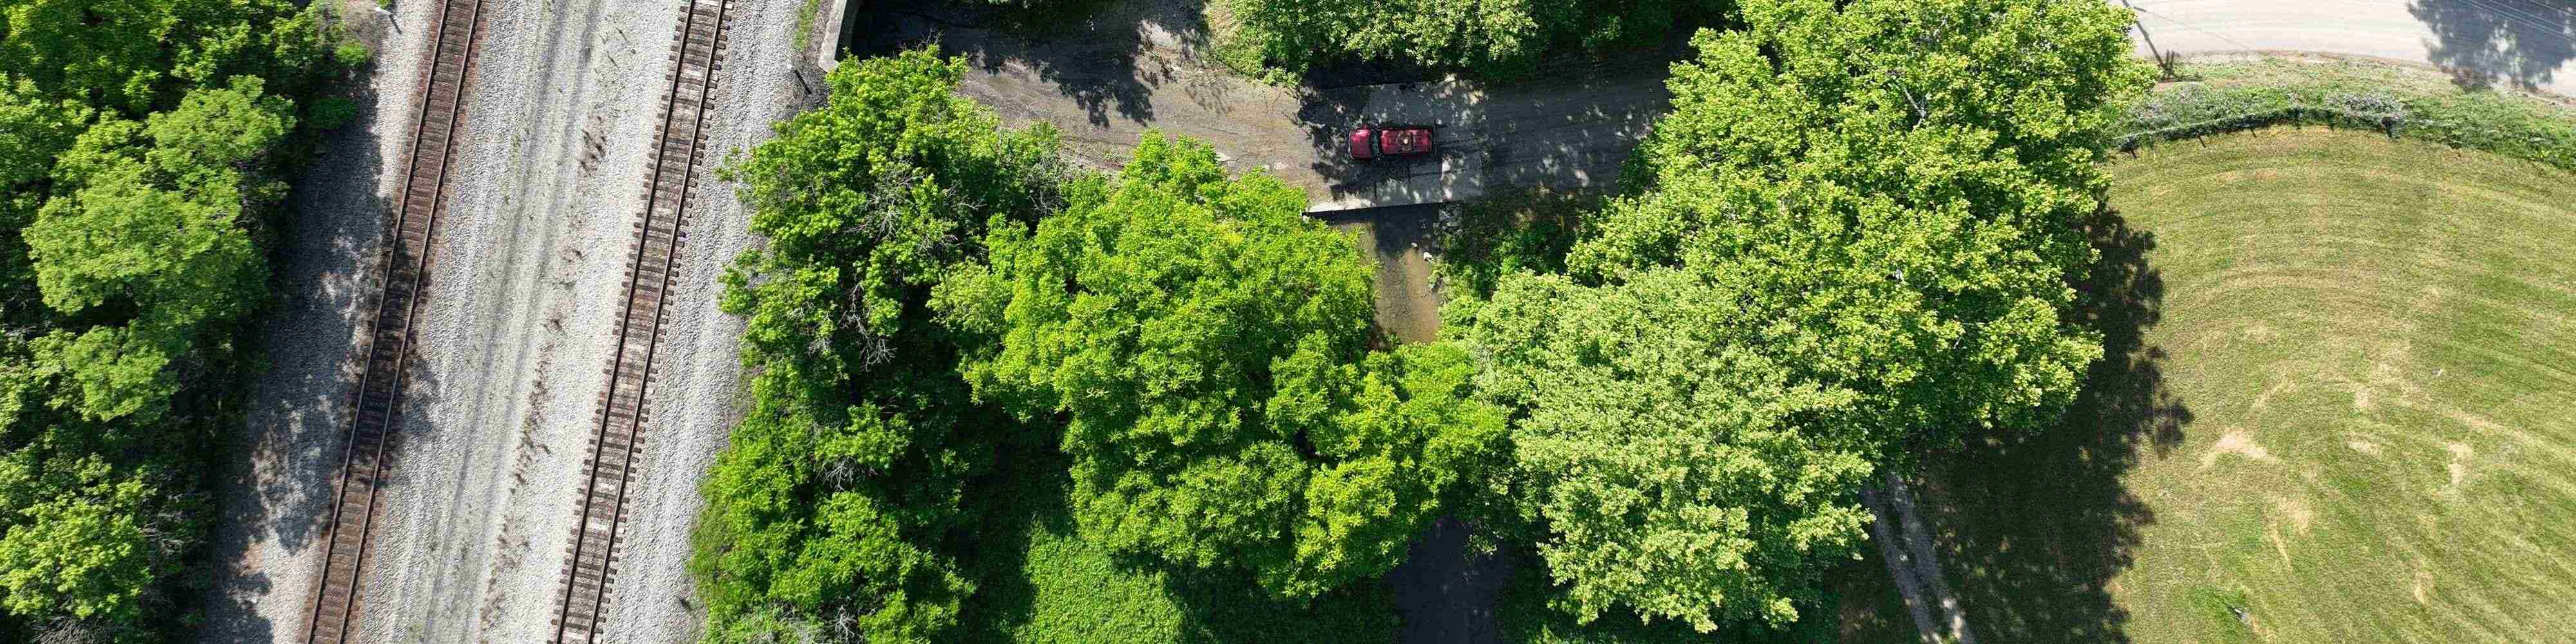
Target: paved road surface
[2518,42]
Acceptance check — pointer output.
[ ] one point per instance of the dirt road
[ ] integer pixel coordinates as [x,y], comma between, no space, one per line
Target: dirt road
[2521,42]
[1135,65]
[1129,66]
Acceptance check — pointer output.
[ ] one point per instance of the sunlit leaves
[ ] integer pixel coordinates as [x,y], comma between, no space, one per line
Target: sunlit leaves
[1203,345]
[1852,238]
[827,514]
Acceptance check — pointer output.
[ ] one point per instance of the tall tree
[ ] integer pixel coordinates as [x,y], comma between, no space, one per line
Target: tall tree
[1493,37]
[135,55]
[1853,236]
[1203,345]
[149,222]
[33,129]
[83,552]
[140,143]
[1677,471]
[828,512]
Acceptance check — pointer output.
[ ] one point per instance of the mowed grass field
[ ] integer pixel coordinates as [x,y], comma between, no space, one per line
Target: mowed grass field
[2340,407]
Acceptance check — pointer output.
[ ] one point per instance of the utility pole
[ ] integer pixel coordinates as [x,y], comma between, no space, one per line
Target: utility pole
[2163,62]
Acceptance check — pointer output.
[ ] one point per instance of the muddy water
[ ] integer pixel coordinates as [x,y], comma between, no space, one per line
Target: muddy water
[1408,307]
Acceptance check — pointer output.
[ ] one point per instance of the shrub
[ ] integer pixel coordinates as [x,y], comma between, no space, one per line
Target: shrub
[352,54]
[2398,101]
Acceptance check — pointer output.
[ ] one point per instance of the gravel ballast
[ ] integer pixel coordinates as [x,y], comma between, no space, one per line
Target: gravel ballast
[513,338]
[695,396]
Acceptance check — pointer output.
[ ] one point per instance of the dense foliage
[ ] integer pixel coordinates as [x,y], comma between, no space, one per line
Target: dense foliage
[1205,347]
[140,152]
[1490,37]
[2406,102]
[1853,236]
[1188,347]
[828,515]
[1852,240]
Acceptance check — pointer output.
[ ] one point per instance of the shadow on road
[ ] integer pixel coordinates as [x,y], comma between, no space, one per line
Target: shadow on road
[2482,42]
[1567,128]
[1108,57]
[2040,524]
[1445,591]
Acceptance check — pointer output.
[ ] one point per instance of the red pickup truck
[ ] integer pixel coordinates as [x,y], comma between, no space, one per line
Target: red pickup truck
[1373,142]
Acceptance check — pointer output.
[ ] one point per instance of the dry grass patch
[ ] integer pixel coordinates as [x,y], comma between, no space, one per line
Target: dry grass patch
[2335,409]
[2350,322]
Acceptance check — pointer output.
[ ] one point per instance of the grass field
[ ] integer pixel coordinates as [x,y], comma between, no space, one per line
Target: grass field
[2340,407]
[2337,408]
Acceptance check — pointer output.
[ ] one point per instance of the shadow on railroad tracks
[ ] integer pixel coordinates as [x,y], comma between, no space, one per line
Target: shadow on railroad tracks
[2483,42]
[1107,56]
[2038,525]
[285,458]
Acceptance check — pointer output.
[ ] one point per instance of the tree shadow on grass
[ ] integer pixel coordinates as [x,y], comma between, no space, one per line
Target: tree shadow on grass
[1529,614]
[1037,581]
[1226,606]
[2035,527]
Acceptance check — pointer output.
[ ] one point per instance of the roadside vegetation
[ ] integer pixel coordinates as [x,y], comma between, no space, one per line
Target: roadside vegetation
[837,508]
[2239,92]
[143,154]
[1506,39]
[995,397]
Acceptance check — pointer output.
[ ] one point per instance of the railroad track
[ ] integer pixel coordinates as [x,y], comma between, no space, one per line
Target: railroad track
[679,153]
[388,343]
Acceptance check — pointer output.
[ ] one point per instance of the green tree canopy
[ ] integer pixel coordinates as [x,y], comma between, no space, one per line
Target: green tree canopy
[147,221]
[1853,235]
[140,149]
[82,553]
[1673,468]
[33,130]
[1485,37]
[827,513]
[130,55]
[1494,37]
[1203,344]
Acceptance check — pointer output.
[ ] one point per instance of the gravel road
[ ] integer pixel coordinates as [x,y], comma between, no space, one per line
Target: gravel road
[513,340]
[1132,65]
[2522,42]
